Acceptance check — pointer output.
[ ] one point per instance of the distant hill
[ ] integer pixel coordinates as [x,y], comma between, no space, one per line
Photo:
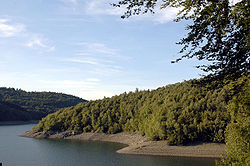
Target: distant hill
[17,104]
[12,112]
[179,113]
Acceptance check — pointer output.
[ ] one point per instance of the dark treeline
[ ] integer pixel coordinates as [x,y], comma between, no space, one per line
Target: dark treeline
[12,112]
[179,113]
[16,104]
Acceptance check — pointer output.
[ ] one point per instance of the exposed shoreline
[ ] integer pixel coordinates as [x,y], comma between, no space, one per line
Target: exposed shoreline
[138,144]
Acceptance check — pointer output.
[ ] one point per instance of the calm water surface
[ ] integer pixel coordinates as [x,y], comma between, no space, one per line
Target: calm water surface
[20,151]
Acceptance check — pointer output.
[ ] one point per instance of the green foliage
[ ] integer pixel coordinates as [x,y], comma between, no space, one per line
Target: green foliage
[237,132]
[18,104]
[177,113]
[12,112]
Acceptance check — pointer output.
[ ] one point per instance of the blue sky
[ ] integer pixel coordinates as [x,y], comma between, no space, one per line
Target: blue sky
[84,48]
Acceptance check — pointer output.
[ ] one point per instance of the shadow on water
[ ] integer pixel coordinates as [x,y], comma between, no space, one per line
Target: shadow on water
[16,150]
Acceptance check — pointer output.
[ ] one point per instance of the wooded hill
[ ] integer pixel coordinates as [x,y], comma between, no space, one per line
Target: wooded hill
[12,112]
[195,110]
[16,104]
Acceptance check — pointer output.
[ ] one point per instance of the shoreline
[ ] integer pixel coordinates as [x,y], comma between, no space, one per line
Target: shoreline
[138,145]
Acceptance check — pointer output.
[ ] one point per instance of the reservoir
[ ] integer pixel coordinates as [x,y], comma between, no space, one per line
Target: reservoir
[21,151]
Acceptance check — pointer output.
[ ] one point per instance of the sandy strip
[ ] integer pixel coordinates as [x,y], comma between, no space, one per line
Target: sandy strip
[160,148]
[138,144]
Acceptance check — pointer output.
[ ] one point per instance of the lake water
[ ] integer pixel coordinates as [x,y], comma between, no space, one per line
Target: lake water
[20,151]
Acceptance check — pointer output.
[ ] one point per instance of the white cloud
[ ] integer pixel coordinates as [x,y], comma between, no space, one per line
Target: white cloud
[39,42]
[99,53]
[93,79]
[97,48]
[8,29]
[103,7]
[165,15]
[69,1]
[76,19]
[100,59]
[107,70]
[90,61]
[61,70]
[160,16]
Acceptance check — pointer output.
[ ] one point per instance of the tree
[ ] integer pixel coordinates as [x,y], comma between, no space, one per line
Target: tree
[237,132]
[219,33]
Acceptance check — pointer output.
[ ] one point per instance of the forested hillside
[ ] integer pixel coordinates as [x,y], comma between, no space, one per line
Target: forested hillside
[17,104]
[12,112]
[194,110]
